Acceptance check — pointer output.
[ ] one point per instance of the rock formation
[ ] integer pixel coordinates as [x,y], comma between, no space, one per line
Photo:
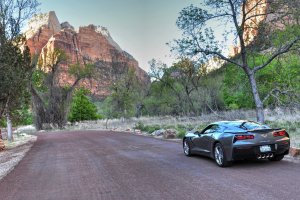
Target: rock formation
[277,18]
[92,43]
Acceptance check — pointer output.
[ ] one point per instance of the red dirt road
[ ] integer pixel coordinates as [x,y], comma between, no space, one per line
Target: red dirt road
[94,165]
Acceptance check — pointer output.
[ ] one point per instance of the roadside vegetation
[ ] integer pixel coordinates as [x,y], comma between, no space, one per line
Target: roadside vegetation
[278,118]
[202,86]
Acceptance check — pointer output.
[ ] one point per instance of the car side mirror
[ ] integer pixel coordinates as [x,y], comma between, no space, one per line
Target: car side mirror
[197,133]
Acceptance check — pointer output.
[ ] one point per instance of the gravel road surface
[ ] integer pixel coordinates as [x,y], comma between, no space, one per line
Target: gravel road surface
[95,165]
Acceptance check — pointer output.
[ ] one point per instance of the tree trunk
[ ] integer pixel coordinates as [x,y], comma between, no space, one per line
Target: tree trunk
[9,128]
[258,103]
[106,124]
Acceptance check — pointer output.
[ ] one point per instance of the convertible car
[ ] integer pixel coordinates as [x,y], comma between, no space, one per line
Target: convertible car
[228,141]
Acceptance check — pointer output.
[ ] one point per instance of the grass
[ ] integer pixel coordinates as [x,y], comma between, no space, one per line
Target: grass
[19,139]
[278,118]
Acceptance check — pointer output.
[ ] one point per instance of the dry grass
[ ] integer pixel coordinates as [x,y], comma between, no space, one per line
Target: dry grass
[14,152]
[278,118]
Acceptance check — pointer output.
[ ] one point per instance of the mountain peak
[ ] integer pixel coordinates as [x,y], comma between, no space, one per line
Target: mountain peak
[89,42]
[43,20]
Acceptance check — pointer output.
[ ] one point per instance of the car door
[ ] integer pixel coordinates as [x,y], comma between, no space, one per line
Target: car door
[201,142]
[208,137]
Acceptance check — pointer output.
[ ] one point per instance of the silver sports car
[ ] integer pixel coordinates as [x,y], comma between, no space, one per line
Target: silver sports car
[227,141]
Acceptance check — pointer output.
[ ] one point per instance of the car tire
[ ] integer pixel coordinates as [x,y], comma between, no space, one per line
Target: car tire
[277,158]
[186,148]
[220,156]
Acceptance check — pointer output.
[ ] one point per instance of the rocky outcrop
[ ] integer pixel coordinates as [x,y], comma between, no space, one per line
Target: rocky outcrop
[274,16]
[169,134]
[41,28]
[2,145]
[294,151]
[92,43]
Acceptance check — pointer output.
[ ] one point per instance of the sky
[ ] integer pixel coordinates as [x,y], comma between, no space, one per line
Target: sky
[140,27]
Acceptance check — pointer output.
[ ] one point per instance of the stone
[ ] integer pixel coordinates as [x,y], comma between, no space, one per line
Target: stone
[90,43]
[169,134]
[158,132]
[294,151]
[2,145]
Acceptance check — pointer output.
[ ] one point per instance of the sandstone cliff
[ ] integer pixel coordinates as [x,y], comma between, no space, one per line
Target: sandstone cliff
[92,43]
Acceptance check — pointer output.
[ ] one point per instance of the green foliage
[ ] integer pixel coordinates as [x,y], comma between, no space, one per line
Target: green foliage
[37,80]
[180,133]
[183,89]
[82,108]
[80,71]
[198,42]
[282,77]
[147,128]
[139,125]
[14,77]
[161,101]
[51,99]
[22,116]
[126,96]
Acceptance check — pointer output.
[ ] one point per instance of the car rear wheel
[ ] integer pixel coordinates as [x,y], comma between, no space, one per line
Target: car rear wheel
[186,148]
[276,158]
[220,156]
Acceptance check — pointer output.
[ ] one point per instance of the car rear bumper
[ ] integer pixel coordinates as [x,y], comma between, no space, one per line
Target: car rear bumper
[253,152]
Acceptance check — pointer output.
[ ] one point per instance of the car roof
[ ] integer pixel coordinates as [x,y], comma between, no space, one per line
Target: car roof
[228,123]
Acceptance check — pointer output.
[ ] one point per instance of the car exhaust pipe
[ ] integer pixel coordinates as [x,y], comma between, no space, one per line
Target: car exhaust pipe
[271,155]
[263,156]
[259,157]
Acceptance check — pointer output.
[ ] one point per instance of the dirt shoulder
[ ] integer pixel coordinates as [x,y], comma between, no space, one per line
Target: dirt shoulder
[14,152]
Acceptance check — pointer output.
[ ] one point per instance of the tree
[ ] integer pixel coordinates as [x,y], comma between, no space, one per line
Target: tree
[15,75]
[82,108]
[280,90]
[249,22]
[51,94]
[184,88]
[188,75]
[15,63]
[126,97]
[164,85]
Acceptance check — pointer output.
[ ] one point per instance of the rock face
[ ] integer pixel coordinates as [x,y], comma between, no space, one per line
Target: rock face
[92,43]
[261,11]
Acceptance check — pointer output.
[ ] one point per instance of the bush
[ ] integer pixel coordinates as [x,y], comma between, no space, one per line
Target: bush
[181,133]
[82,108]
[146,128]
[151,128]
[139,125]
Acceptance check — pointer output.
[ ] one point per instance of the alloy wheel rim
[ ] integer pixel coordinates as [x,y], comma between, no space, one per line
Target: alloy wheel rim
[186,148]
[219,155]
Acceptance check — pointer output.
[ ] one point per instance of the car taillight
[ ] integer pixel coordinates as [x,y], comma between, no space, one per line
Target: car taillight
[243,137]
[279,133]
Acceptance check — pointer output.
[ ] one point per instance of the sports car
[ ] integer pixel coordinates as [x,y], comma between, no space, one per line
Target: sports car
[228,141]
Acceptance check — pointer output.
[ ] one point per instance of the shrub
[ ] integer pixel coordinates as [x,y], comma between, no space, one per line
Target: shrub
[181,133]
[151,128]
[146,128]
[139,125]
[82,108]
